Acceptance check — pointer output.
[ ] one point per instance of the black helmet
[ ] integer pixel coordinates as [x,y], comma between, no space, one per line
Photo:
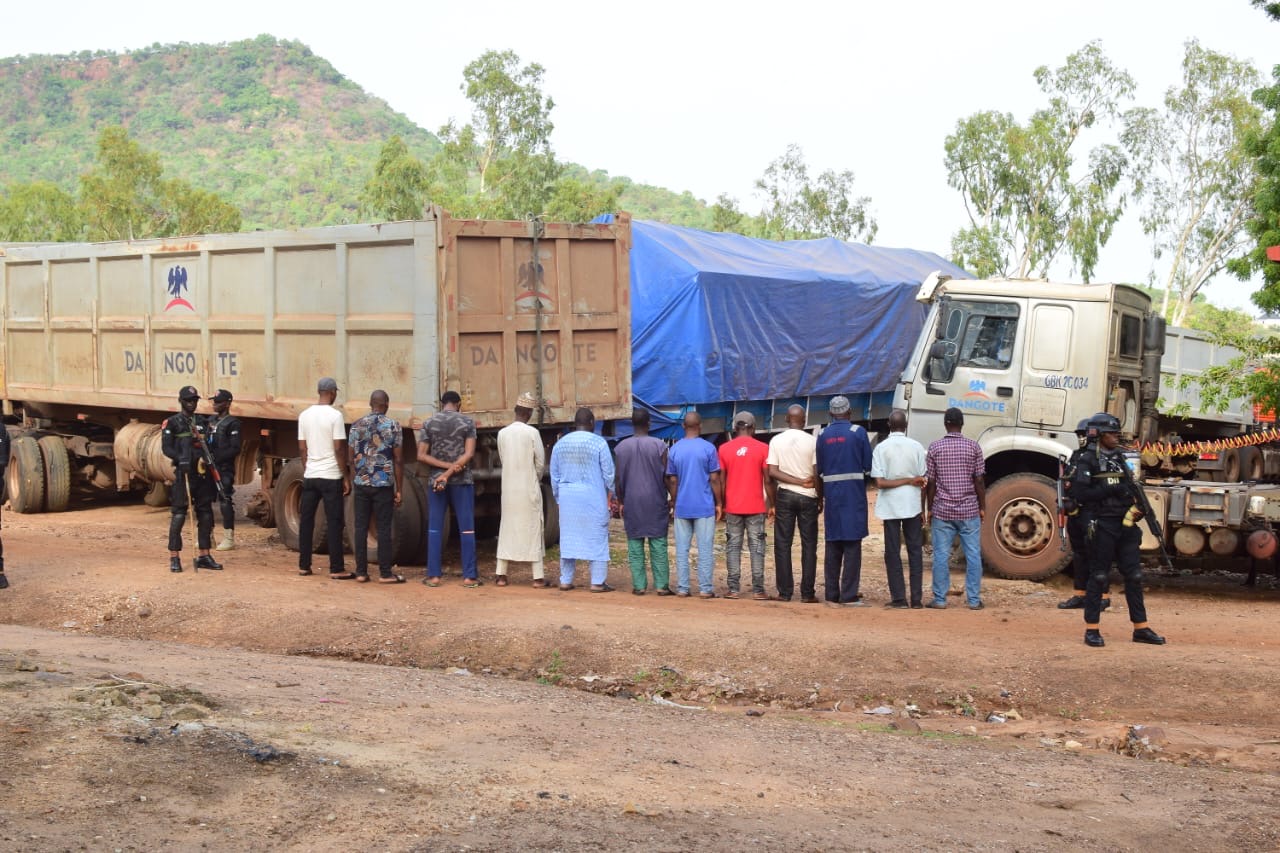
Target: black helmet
[1082,428]
[1103,422]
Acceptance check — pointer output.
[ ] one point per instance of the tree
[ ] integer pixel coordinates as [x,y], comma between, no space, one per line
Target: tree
[1270,7]
[1024,205]
[40,212]
[500,165]
[125,196]
[797,208]
[1193,172]
[575,200]
[398,188]
[727,216]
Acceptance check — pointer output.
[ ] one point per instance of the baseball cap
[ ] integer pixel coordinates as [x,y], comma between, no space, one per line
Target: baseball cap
[188,392]
[839,405]
[744,419]
[223,396]
[327,384]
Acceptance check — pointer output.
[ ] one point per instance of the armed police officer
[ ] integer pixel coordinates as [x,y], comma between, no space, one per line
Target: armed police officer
[1080,568]
[1105,491]
[182,440]
[224,445]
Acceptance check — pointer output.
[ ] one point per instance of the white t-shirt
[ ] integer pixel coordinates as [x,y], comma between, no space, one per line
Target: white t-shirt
[898,458]
[319,426]
[795,452]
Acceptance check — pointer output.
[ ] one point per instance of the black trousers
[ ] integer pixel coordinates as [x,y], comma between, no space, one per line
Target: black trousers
[378,502]
[895,531]
[1080,565]
[228,474]
[842,568]
[792,508]
[314,492]
[1112,542]
[191,487]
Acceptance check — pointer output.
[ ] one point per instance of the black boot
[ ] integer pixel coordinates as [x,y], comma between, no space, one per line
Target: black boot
[206,561]
[1075,602]
[4,581]
[1093,637]
[1146,635]
[175,564]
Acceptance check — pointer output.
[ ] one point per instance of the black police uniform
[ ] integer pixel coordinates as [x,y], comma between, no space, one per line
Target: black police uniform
[4,464]
[1101,486]
[224,445]
[1077,537]
[191,476]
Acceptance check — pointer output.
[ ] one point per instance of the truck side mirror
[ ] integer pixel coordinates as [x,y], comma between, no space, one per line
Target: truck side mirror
[941,364]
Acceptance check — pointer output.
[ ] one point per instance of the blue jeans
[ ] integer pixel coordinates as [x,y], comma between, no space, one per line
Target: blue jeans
[943,533]
[704,529]
[462,498]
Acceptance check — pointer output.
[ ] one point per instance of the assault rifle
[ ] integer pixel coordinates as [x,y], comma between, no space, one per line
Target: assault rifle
[1144,506]
[199,441]
[1060,490]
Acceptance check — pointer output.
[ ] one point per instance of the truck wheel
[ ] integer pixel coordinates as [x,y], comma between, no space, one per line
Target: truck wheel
[1251,463]
[550,517]
[157,496]
[406,529]
[1020,535]
[287,501]
[25,477]
[1231,465]
[57,473]
[412,550]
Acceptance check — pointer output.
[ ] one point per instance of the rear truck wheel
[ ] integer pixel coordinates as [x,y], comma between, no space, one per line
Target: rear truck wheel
[57,473]
[157,496]
[1251,464]
[406,528]
[1231,466]
[550,517]
[25,477]
[287,501]
[1020,538]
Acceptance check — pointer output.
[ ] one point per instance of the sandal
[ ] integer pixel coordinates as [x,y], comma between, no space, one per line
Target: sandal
[500,580]
[362,578]
[472,584]
[342,576]
[392,579]
[603,587]
[540,583]
[431,581]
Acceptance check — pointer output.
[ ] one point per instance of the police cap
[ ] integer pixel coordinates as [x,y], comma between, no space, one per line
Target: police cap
[188,392]
[1103,422]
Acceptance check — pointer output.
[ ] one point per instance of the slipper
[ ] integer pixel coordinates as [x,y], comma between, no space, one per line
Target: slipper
[603,587]
[303,572]
[472,584]
[392,579]
[431,581]
[342,576]
[362,578]
[501,580]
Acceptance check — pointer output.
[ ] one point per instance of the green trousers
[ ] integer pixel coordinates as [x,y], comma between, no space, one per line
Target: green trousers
[657,559]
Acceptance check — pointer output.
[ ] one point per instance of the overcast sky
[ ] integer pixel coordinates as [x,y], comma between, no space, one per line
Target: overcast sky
[701,96]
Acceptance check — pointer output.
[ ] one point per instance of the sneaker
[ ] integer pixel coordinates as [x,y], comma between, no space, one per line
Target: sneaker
[857,602]
[1075,602]
[684,593]
[175,564]
[1146,635]
[206,561]
[897,605]
[1094,638]
[935,605]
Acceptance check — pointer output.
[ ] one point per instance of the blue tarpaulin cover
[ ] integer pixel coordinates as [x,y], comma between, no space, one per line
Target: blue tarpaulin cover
[719,317]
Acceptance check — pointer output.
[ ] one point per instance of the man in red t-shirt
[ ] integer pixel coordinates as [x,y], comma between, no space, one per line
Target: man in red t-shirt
[748,498]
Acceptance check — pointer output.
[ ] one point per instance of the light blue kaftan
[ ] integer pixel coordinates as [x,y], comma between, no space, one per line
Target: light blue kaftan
[582,482]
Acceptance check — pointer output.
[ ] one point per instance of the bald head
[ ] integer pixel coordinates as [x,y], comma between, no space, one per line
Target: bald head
[897,421]
[692,424]
[795,417]
[379,401]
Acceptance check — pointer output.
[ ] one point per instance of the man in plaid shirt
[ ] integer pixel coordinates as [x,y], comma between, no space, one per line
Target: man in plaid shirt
[957,498]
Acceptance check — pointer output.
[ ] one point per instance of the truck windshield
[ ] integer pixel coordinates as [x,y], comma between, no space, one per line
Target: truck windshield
[983,332]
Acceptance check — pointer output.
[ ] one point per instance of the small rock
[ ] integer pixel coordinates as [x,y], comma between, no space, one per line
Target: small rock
[1012,714]
[188,728]
[24,665]
[52,677]
[458,670]
[566,627]
[70,623]
[152,712]
[1005,694]
[330,817]
[1073,744]
[754,712]
[107,617]
[906,724]
[883,711]
[995,718]
[189,712]
[144,612]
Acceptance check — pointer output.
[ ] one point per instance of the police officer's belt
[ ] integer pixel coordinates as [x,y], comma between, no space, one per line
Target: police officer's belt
[837,478]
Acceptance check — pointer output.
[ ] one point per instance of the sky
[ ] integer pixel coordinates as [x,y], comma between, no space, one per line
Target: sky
[702,96]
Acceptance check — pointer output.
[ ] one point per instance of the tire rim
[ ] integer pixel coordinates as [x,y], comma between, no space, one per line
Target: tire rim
[1024,527]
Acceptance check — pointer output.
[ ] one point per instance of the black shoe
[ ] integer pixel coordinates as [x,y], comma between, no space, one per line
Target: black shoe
[175,564]
[1146,635]
[808,599]
[978,606]
[4,581]
[897,605]
[1094,638]
[1106,602]
[206,561]
[666,590]
[915,605]
[1075,602]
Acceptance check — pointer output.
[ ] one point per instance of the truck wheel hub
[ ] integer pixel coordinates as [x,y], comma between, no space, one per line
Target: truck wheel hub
[1025,526]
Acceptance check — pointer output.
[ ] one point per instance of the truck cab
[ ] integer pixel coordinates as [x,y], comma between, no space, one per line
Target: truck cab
[1026,361]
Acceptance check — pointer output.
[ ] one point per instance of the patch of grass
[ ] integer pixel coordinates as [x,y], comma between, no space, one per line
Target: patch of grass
[553,672]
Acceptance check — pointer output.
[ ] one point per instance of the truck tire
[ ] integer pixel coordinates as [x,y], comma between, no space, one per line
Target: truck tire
[1020,533]
[25,477]
[406,528]
[157,496]
[287,501]
[550,517]
[1251,464]
[1231,465]
[57,473]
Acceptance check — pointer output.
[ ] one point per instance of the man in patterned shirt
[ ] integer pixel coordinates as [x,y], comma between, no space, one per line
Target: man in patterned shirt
[445,447]
[957,503]
[374,445]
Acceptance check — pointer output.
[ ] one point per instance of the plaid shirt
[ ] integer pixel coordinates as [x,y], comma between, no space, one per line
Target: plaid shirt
[952,463]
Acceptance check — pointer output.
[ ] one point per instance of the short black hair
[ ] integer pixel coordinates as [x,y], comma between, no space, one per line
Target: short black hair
[450,397]
[953,416]
[640,417]
[584,417]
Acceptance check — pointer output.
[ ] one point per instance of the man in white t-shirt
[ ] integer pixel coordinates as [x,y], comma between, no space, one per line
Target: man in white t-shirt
[322,443]
[898,465]
[792,461]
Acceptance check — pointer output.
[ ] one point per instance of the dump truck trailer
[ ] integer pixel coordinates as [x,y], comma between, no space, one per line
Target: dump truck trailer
[98,338]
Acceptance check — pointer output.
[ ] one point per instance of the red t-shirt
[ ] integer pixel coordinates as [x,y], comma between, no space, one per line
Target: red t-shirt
[743,463]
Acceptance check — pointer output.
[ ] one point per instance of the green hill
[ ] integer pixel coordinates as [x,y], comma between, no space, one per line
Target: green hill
[265,123]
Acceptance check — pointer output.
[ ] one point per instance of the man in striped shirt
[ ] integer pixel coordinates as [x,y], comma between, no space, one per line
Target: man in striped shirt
[957,498]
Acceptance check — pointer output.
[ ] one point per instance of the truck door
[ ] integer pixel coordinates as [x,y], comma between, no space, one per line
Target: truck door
[971,365]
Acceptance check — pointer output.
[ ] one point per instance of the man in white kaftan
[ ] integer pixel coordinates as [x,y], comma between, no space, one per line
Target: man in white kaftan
[524,458]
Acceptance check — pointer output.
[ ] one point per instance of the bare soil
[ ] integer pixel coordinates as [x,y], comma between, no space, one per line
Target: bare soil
[253,709]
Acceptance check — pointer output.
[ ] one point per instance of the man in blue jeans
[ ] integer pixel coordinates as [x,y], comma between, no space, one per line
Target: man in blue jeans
[693,479]
[957,499]
[445,446]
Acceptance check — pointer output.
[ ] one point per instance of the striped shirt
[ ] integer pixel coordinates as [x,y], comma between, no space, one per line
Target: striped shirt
[952,462]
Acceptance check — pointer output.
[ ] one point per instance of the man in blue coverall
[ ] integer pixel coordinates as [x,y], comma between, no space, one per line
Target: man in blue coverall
[844,460]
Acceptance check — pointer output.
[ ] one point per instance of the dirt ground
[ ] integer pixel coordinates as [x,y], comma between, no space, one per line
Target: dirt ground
[252,709]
